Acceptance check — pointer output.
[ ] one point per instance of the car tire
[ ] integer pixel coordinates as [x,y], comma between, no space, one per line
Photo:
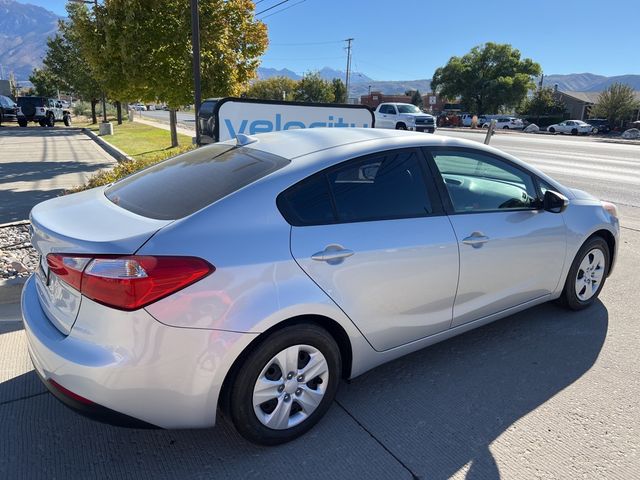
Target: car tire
[51,121]
[505,127]
[67,120]
[591,262]
[574,131]
[552,130]
[262,366]
[22,123]
[595,131]
[400,126]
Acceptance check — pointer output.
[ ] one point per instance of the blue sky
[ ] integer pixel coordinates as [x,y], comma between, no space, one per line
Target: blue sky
[409,39]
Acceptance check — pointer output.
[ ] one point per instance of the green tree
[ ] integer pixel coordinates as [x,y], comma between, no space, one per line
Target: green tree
[274,88]
[313,88]
[339,91]
[44,82]
[490,76]
[542,103]
[65,61]
[416,99]
[142,49]
[616,103]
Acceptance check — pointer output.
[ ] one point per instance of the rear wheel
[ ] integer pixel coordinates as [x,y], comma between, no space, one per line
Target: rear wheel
[43,123]
[587,275]
[22,123]
[552,130]
[505,127]
[285,385]
[51,121]
[595,130]
[574,131]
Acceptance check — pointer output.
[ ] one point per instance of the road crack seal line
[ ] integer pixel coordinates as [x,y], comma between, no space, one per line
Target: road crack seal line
[404,465]
[27,397]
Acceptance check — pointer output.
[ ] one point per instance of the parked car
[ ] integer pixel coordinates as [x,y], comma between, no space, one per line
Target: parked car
[404,116]
[505,123]
[138,107]
[255,273]
[45,111]
[8,110]
[599,125]
[574,127]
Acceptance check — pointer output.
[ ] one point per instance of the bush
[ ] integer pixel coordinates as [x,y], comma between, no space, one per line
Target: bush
[82,108]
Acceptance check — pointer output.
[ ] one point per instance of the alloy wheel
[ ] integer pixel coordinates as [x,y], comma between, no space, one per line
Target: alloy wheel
[290,387]
[590,274]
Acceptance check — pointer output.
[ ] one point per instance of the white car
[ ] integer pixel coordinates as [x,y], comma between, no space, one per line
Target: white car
[404,116]
[574,127]
[505,123]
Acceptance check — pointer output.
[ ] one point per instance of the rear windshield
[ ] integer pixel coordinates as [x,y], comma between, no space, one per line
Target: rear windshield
[184,184]
[35,101]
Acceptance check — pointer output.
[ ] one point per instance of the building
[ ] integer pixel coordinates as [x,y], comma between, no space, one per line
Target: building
[579,104]
[431,102]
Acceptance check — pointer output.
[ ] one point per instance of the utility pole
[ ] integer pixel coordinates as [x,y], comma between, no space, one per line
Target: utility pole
[195,45]
[348,40]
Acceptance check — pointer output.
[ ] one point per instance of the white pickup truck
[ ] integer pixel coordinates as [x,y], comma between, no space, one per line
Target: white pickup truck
[404,116]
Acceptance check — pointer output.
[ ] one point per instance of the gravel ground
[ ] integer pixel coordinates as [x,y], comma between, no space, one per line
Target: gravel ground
[17,257]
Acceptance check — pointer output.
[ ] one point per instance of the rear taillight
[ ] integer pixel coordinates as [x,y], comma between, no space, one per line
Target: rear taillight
[127,282]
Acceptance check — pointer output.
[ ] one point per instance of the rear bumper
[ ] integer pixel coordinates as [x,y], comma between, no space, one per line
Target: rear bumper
[425,128]
[128,368]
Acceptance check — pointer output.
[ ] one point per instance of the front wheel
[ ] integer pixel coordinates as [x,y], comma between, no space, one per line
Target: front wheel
[574,131]
[401,126]
[67,120]
[286,384]
[587,275]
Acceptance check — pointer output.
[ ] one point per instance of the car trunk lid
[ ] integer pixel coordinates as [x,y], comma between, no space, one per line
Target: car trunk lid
[84,223]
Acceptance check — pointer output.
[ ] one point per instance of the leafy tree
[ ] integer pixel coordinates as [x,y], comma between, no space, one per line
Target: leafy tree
[542,103]
[44,82]
[339,91]
[274,88]
[490,76]
[616,103]
[416,99]
[65,62]
[313,88]
[142,49]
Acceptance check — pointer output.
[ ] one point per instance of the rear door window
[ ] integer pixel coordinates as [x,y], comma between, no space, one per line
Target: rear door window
[184,184]
[377,187]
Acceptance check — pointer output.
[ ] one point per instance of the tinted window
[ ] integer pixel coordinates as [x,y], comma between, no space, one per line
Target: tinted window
[206,109]
[478,182]
[184,184]
[386,186]
[35,101]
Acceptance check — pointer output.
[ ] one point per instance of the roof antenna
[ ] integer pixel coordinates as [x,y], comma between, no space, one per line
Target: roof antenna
[242,139]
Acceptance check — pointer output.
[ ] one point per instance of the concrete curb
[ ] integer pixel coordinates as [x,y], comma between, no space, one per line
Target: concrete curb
[115,152]
[11,289]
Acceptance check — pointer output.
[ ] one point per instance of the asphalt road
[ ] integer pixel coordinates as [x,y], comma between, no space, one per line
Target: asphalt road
[39,163]
[186,118]
[546,394]
[610,171]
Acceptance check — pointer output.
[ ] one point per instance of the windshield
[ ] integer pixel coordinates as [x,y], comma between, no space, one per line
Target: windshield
[184,184]
[405,108]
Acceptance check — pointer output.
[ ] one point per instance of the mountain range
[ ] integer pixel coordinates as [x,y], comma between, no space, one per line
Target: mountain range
[24,30]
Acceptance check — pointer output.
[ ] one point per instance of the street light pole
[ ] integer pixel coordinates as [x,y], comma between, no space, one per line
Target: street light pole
[195,43]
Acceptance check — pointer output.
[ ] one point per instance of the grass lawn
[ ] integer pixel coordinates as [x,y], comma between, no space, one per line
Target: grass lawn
[145,144]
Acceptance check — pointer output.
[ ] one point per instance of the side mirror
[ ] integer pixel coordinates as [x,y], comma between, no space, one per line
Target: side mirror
[554,202]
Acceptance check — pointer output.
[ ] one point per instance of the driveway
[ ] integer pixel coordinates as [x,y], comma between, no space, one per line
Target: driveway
[545,393]
[40,163]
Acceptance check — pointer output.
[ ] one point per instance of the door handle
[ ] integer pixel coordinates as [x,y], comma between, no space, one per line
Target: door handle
[332,254]
[476,239]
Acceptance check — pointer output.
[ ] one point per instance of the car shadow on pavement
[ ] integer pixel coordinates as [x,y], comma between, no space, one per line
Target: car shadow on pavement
[438,410]
[37,131]
[427,415]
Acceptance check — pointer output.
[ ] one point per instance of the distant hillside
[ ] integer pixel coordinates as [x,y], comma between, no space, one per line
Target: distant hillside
[588,82]
[24,30]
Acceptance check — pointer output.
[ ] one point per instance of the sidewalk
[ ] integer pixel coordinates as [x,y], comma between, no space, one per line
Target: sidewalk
[181,129]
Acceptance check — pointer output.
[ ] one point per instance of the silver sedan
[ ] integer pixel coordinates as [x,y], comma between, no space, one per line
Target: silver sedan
[253,275]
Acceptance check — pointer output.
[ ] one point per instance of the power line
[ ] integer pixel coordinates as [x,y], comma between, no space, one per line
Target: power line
[271,7]
[303,44]
[283,9]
